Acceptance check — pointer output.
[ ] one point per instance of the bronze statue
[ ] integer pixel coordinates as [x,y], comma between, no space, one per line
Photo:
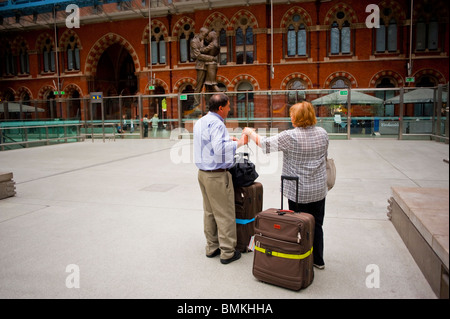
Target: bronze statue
[212,49]
[206,62]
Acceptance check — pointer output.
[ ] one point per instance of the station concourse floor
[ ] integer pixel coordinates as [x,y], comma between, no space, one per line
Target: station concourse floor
[128,214]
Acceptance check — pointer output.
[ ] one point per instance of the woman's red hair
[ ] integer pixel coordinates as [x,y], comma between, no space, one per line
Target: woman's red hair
[303,114]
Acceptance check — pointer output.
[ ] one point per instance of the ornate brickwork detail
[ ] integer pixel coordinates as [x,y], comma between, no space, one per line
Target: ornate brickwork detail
[179,25]
[44,91]
[40,41]
[155,24]
[157,82]
[340,74]
[69,89]
[348,10]
[299,76]
[215,20]
[65,39]
[183,82]
[238,20]
[387,73]
[20,93]
[101,45]
[244,78]
[293,11]
[430,72]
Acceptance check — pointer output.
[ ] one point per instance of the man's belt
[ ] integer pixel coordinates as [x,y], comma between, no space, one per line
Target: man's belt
[214,170]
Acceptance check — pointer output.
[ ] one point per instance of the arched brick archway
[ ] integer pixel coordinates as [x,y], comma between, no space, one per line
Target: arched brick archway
[69,89]
[215,18]
[21,91]
[392,74]
[241,78]
[43,92]
[65,39]
[179,25]
[157,82]
[341,7]
[235,20]
[155,23]
[430,72]
[299,76]
[291,12]
[341,74]
[182,82]
[101,45]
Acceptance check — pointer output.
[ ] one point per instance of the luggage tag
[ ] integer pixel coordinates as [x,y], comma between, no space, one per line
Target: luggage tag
[251,244]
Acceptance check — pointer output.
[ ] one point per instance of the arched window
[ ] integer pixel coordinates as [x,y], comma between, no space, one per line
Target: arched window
[296,38]
[50,105]
[73,54]
[335,35]
[187,105]
[295,95]
[185,43]
[340,83]
[425,109]
[244,46]
[245,103]
[386,82]
[48,56]
[24,61]
[244,42]
[158,47]
[9,66]
[223,42]
[428,34]
[340,35]
[386,34]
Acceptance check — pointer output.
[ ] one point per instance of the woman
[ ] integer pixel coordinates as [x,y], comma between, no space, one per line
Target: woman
[304,155]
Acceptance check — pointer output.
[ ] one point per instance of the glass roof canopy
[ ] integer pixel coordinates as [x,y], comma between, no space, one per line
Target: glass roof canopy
[12,8]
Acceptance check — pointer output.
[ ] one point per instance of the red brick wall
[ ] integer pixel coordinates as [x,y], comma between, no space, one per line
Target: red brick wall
[317,69]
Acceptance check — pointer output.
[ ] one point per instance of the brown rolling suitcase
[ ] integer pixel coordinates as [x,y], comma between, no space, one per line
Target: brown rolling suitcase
[284,243]
[248,202]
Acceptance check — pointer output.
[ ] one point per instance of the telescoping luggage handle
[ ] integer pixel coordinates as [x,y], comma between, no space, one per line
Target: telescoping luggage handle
[289,178]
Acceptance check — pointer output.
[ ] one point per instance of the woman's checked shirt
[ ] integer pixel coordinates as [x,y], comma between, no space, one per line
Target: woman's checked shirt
[304,155]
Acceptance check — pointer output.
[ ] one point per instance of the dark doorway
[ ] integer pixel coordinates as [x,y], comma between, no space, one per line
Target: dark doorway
[116,72]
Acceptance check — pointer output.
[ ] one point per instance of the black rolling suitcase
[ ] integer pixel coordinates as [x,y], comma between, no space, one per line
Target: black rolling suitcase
[284,243]
[248,202]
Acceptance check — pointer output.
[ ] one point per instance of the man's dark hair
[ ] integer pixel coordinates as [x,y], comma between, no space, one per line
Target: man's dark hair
[216,101]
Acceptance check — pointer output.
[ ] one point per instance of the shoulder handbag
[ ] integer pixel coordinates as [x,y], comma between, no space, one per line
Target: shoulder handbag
[331,173]
[243,171]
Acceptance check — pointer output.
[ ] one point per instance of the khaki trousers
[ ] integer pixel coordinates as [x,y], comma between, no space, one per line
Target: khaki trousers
[219,218]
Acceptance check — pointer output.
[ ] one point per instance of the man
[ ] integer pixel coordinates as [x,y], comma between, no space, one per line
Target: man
[214,153]
[196,45]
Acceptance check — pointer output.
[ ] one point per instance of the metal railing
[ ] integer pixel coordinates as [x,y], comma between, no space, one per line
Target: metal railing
[25,136]
[401,113]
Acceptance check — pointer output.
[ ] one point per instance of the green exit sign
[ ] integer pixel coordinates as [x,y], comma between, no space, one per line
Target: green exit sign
[59,93]
[151,87]
[410,80]
[343,92]
[183,97]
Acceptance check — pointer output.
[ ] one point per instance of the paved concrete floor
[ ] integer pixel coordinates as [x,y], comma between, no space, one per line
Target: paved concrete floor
[125,218]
